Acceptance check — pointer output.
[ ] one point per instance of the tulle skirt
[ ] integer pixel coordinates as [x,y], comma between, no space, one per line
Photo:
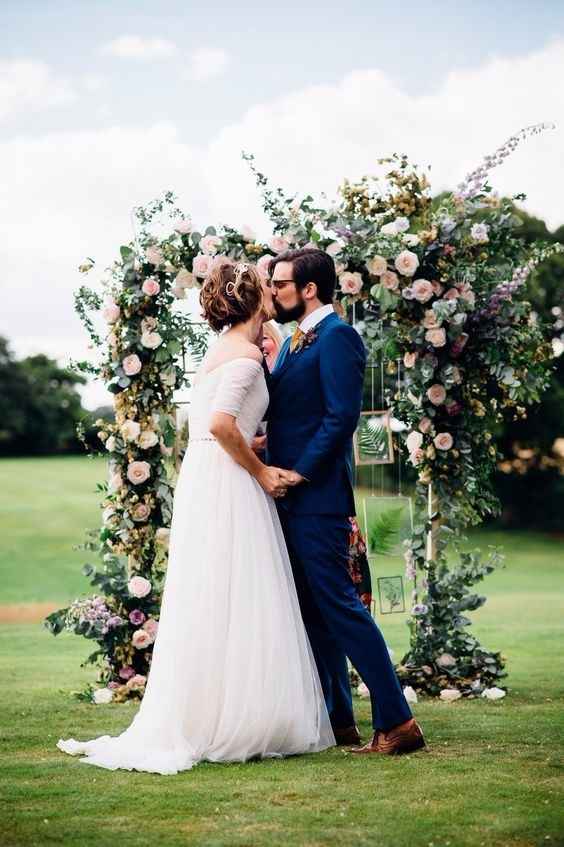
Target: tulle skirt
[232,675]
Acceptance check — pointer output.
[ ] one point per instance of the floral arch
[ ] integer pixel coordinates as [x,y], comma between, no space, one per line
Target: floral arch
[434,286]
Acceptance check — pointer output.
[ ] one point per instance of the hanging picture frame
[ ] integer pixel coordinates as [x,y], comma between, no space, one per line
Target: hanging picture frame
[388,522]
[373,438]
[391,595]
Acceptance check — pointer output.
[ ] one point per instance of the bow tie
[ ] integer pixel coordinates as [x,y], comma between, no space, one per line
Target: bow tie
[296,338]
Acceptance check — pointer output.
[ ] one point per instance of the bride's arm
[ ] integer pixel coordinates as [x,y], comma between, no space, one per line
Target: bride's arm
[224,427]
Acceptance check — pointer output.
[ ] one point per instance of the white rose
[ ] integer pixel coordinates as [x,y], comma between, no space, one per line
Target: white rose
[407,263]
[410,694]
[389,228]
[414,441]
[450,694]
[479,233]
[411,240]
[102,696]
[184,226]
[151,340]
[401,224]
[138,586]
[130,430]
[110,443]
[147,439]
[494,693]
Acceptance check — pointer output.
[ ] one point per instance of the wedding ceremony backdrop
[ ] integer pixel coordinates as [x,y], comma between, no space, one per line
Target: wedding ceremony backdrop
[434,285]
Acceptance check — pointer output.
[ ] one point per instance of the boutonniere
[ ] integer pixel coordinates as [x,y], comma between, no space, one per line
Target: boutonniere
[306,340]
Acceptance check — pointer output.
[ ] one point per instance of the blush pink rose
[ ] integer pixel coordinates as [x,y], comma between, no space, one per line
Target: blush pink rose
[154,256]
[350,283]
[201,264]
[262,266]
[141,640]
[451,294]
[115,482]
[414,441]
[443,441]
[151,626]
[138,586]
[407,263]
[140,512]
[425,424]
[390,280]
[138,472]
[131,364]
[111,313]
[430,320]
[422,290]
[377,265]
[436,337]
[437,288]
[409,359]
[209,244]
[150,287]
[148,324]
[416,456]
[184,279]
[278,244]
[136,682]
[436,394]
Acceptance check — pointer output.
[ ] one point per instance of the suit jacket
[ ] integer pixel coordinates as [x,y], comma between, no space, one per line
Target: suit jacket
[315,403]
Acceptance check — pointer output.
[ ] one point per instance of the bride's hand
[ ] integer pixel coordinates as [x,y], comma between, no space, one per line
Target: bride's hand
[271,481]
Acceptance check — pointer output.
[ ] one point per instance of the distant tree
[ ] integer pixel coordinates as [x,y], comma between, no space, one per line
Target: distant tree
[40,403]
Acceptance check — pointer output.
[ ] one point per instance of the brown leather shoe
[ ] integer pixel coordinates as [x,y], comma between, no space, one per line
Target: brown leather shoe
[405,738]
[348,735]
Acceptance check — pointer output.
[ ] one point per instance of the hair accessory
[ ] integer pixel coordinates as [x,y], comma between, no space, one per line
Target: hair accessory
[230,288]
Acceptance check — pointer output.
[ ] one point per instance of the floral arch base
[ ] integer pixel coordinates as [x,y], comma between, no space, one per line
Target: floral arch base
[436,283]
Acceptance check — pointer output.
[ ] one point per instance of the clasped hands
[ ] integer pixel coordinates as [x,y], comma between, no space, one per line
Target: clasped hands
[276,481]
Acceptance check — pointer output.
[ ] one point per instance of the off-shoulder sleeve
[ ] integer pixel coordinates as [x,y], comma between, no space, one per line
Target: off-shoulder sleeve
[237,377]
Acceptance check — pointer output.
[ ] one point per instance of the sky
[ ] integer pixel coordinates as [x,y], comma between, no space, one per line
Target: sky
[105,105]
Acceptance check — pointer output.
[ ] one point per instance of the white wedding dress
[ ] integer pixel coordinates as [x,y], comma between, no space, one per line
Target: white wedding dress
[232,675]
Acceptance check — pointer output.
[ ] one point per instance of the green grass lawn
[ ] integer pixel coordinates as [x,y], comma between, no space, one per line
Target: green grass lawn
[494,773]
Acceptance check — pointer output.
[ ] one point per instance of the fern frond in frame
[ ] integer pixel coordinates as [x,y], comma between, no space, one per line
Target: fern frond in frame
[373,439]
[387,522]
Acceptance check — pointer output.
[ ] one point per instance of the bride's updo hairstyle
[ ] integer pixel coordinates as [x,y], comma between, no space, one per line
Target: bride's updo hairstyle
[231,294]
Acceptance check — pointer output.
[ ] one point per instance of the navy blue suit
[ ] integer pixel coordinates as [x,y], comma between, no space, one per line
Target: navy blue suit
[315,403]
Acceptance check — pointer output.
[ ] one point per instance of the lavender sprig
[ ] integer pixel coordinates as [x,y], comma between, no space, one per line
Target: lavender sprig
[476,179]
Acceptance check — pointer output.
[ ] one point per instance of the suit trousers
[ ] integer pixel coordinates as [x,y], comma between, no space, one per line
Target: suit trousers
[337,624]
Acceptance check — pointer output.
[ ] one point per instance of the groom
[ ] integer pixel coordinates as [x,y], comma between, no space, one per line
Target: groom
[315,403]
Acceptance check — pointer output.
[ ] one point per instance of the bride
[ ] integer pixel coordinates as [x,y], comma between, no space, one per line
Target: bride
[232,675]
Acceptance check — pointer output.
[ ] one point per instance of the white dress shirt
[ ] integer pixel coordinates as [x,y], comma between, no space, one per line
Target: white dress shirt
[316,317]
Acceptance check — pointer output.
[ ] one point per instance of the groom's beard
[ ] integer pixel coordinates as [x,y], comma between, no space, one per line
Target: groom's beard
[285,316]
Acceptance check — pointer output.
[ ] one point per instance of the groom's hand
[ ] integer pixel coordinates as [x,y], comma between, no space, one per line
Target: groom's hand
[292,477]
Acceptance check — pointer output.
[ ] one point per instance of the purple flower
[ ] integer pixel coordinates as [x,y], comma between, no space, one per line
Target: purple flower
[136,617]
[419,609]
[114,621]
[126,672]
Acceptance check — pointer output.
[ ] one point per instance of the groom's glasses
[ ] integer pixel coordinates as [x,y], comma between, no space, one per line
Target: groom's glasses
[280,283]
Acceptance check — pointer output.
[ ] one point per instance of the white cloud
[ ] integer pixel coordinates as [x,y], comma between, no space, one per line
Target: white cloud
[138,47]
[312,138]
[68,195]
[206,63]
[26,84]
